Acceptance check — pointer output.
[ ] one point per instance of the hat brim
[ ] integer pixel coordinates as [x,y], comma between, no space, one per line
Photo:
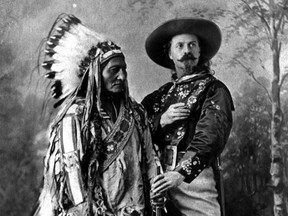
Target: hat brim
[207,32]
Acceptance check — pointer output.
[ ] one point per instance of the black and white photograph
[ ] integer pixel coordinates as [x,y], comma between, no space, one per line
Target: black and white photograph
[144,108]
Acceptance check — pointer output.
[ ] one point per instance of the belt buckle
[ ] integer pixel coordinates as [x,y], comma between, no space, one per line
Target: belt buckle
[170,157]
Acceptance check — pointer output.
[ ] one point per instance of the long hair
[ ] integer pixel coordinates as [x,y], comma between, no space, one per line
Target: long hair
[72,58]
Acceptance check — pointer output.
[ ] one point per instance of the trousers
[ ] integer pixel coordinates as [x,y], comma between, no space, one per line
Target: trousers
[198,198]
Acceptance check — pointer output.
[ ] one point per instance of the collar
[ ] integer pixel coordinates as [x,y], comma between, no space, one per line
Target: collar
[190,77]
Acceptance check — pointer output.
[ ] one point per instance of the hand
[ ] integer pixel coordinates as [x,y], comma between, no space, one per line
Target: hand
[174,113]
[157,200]
[161,183]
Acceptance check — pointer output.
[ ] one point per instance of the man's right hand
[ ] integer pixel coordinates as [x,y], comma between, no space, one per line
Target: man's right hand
[174,113]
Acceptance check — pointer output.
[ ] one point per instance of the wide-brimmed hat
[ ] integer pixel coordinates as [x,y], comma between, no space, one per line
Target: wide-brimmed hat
[207,32]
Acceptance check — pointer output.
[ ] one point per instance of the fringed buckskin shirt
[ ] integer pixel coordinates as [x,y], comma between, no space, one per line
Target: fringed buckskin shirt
[125,172]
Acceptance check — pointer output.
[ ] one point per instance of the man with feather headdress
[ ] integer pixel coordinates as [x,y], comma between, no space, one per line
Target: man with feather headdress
[100,159]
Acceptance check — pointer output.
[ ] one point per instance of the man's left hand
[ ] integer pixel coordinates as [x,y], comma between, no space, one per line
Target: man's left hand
[163,182]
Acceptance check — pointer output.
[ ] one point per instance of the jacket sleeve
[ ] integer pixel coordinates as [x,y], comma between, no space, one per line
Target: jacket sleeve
[48,203]
[211,132]
[149,103]
[62,183]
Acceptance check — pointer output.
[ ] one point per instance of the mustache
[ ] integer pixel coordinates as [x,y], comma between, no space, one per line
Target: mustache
[188,56]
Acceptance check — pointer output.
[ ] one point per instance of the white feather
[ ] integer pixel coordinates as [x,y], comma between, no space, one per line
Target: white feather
[71,49]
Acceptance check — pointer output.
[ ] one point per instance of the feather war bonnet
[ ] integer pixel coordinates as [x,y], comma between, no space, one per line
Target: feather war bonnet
[70,50]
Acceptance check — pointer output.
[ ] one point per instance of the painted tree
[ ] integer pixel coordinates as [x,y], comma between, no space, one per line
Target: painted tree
[264,24]
[246,156]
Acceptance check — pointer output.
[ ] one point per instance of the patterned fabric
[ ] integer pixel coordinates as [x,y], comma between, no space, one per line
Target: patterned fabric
[198,140]
[85,166]
[127,156]
[207,128]
[117,138]
[188,93]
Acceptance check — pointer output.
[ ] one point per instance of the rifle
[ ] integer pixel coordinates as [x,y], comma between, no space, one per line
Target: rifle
[159,204]
[158,211]
[219,173]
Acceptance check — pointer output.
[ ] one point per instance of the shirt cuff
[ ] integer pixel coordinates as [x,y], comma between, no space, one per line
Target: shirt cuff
[191,168]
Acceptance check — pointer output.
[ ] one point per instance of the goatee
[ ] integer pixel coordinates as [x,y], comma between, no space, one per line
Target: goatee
[189,67]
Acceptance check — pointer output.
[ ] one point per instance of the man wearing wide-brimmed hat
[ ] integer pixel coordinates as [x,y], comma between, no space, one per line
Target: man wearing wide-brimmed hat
[191,116]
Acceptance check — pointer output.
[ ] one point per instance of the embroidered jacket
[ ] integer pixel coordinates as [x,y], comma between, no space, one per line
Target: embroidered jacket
[200,139]
[127,165]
